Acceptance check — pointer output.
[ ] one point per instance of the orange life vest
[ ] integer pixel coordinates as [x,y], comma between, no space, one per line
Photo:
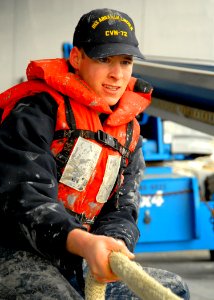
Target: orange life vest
[89,154]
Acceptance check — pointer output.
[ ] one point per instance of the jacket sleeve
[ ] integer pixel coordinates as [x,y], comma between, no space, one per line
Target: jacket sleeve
[118,217]
[30,214]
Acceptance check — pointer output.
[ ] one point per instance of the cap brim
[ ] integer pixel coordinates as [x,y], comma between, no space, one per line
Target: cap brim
[104,50]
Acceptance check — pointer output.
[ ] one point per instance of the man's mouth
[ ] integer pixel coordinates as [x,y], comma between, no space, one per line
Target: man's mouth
[111,87]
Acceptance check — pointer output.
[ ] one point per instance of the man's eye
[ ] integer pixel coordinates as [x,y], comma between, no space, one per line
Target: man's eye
[103,59]
[127,62]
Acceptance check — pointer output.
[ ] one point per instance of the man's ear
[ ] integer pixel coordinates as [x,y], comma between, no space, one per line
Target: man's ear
[75,58]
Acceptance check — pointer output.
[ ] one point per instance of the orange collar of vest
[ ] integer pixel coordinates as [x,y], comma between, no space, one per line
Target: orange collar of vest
[56,74]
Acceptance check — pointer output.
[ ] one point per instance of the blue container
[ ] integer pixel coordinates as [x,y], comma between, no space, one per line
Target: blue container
[172,217]
[154,148]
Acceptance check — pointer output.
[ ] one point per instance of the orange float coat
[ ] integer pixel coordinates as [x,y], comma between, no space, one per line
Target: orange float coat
[79,193]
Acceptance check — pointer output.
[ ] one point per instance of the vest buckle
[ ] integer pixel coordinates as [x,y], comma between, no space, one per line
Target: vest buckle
[107,139]
[81,217]
[84,220]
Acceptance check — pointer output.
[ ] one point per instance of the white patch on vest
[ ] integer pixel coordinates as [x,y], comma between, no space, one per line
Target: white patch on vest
[110,176]
[81,164]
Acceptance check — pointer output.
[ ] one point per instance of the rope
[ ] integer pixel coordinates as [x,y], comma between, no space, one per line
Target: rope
[142,284]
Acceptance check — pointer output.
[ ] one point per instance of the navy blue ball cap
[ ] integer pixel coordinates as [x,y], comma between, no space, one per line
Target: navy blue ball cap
[106,32]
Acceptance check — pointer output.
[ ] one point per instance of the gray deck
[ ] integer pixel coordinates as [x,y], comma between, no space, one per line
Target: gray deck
[195,268]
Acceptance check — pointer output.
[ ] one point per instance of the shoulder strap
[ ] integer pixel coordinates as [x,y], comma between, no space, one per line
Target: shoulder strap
[69,114]
[1,112]
[123,165]
[62,157]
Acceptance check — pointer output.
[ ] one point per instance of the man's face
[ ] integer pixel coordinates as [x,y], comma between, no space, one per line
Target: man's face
[108,77]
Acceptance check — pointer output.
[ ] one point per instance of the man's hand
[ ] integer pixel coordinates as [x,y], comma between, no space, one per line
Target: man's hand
[96,250]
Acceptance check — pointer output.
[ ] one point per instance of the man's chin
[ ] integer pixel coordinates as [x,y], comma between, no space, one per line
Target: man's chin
[111,101]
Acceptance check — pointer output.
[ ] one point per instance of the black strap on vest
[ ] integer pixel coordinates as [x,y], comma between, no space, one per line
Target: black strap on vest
[69,114]
[123,165]
[99,136]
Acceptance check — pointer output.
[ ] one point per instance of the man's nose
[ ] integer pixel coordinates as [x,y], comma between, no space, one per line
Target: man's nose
[116,71]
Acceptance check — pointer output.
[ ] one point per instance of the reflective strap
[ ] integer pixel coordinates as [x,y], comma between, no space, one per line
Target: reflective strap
[109,178]
[81,164]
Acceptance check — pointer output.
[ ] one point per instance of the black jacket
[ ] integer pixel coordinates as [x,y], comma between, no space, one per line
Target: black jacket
[31,217]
